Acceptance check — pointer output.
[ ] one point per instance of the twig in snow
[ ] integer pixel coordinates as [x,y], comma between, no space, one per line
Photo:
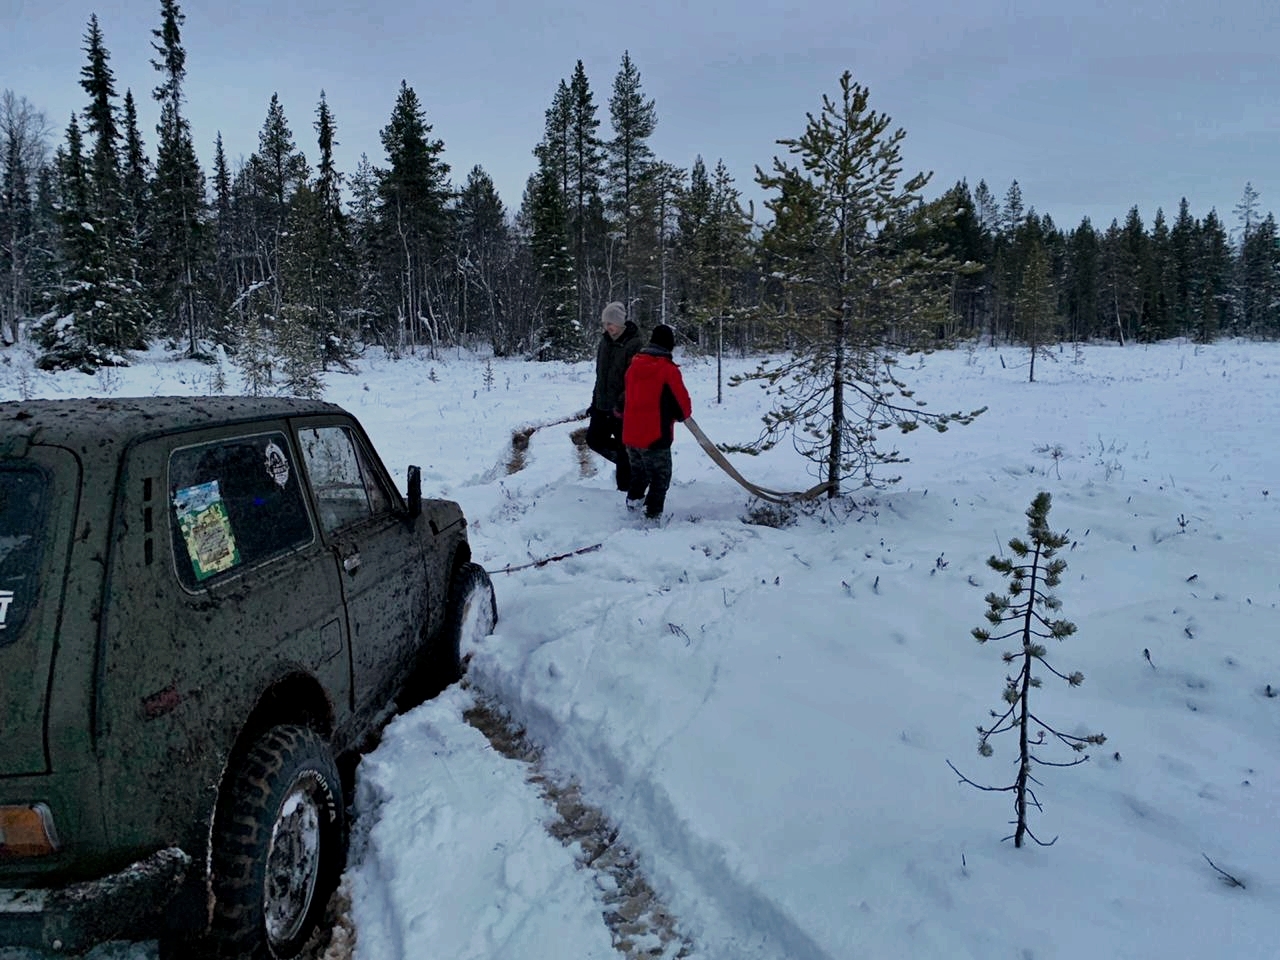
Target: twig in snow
[1227,878]
[545,560]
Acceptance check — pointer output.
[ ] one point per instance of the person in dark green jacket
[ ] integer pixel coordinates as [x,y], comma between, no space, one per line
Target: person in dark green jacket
[619,342]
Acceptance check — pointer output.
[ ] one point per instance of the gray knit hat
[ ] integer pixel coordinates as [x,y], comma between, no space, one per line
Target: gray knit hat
[614,313]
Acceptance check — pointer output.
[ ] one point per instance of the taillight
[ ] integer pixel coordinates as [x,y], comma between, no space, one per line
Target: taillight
[26,830]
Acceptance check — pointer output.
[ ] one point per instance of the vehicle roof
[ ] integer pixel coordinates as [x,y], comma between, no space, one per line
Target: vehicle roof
[102,421]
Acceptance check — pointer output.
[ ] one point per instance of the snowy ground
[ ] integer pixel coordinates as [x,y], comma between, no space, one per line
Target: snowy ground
[765,715]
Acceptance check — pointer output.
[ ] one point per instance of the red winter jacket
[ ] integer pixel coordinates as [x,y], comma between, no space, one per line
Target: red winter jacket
[656,399]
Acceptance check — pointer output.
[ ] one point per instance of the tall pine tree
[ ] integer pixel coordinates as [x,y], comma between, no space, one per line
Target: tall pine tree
[482,251]
[629,157]
[586,168]
[856,299]
[413,193]
[276,171]
[178,232]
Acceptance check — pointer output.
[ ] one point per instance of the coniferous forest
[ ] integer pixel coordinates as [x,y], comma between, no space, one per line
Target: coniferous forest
[112,237]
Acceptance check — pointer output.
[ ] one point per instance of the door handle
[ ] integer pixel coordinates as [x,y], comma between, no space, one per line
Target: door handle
[351,562]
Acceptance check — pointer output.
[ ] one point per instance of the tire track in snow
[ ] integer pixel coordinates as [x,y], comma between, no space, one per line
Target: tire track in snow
[761,929]
[640,924]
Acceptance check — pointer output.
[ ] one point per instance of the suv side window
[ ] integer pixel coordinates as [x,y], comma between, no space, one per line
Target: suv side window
[234,503]
[343,481]
[23,496]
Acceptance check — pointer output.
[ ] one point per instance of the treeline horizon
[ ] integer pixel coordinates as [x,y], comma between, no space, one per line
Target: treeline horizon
[295,267]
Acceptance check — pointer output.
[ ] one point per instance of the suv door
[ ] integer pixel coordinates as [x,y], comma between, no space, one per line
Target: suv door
[378,555]
[219,587]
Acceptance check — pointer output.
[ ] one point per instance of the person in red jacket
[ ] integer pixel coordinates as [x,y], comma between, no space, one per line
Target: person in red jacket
[655,399]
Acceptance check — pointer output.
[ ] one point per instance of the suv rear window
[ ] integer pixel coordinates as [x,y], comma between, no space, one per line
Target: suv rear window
[233,504]
[23,501]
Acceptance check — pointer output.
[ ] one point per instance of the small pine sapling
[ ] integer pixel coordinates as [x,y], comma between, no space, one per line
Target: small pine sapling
[1025,608]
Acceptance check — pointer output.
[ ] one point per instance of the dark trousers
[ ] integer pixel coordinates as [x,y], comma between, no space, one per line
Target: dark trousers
[604,436]
[650,478]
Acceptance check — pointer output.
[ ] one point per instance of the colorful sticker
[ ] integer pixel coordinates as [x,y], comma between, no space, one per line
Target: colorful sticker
[206,529]
[277,465]
[6,598]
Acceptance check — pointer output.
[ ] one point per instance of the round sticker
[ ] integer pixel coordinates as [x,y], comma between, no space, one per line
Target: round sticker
[277,465]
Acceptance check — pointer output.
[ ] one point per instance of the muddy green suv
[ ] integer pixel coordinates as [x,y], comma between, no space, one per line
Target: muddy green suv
[205,604]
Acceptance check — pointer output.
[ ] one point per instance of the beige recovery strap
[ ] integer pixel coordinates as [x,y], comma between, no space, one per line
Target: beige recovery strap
[764,493]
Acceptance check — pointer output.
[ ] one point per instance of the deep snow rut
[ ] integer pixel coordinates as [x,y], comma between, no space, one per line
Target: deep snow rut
[639,922]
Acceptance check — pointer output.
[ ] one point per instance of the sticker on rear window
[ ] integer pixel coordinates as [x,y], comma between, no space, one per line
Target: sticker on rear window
[277,465]
[206,529]
[6,598]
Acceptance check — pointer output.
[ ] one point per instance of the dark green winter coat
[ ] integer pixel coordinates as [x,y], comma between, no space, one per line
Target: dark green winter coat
[612,358]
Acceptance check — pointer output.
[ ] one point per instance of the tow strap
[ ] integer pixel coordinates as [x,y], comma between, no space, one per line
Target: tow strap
[764,493]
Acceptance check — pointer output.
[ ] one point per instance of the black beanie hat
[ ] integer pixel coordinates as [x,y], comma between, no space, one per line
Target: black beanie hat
[663,337]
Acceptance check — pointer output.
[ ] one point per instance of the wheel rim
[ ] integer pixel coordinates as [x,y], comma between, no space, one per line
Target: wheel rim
[293,860]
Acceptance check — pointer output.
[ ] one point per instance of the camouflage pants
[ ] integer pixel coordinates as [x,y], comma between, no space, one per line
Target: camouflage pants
[650,478]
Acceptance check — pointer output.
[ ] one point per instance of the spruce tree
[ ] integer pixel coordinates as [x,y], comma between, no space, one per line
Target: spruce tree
[693,225]
[276,171]
[585,207]
[223,231]
[301,360]
[67,333]
[97,311]
[1184,282]
[1158,297]
[316,260]
[1122,268]
[713,234]
[328,179]
[554,148]
[557,334]
[1026,607]
[658,193]
[629,156]
[561,337]
[483,251]
[1213,269]
[1254,280]
[333,247]
[852,299]
[951,226]
[121,315]
[98,82]
[1260,274]
[1082,282]
[1138,258]
[178,233]
[413,219]
[135,189]
[373,297]
[1012,210]
[986,208]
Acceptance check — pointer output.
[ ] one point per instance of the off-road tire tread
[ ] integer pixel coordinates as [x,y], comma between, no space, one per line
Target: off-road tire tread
[450,659]
[244,829]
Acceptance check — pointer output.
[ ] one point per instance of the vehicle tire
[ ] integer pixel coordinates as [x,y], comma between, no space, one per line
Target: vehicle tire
[473,612]
[278,846]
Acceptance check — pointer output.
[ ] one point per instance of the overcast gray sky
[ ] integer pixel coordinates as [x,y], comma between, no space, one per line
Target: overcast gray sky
[1093,107]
